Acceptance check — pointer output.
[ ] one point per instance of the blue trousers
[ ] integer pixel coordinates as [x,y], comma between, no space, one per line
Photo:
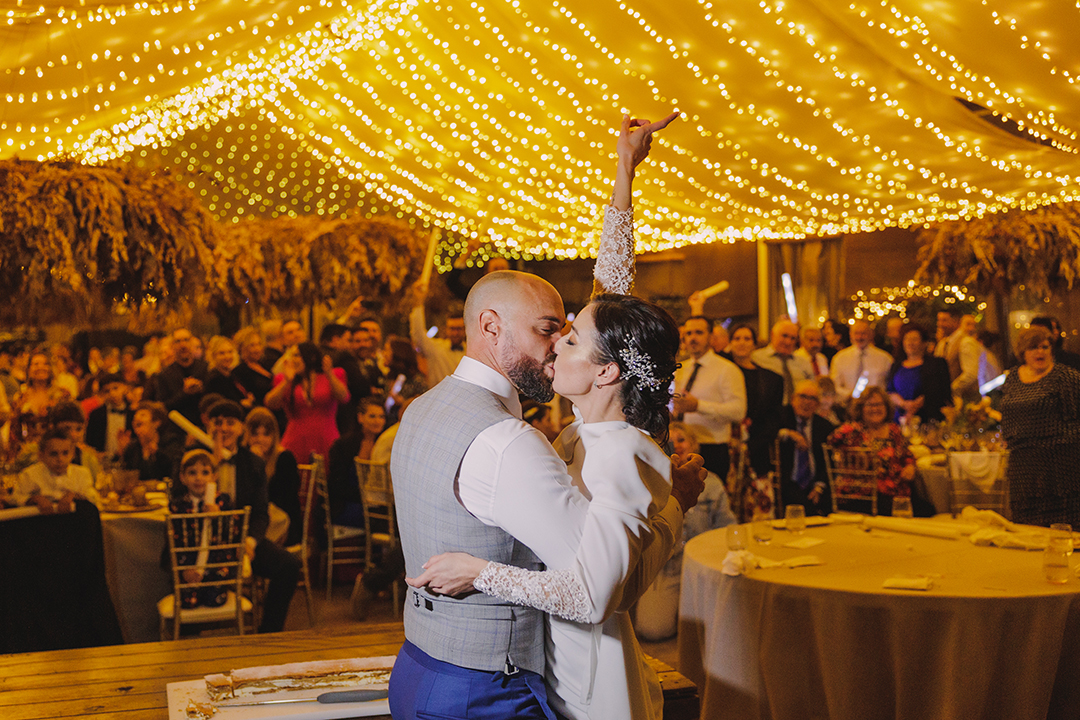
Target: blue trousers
[422,687]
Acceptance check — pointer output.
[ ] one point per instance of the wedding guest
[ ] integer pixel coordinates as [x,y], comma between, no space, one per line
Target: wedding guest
[250,376]
[442,353]
[336,341]
[130,371]
[108,420]
[68,417]
[1040,419]
[836,336]
[219,379]
[719,340]
[657,613]
[144,448]
[309,390]
[918,383]
[810,344]
[829,407]
[197,471]
[869,426]
[892,336]
[38,394]
[405,377]
[346,507]
[274,348]
[53,483]
[243,478]
[262,437]
[1057,336]
[764,398]
[961,352]
[862,360]
[180,386]
[779,356]
[710,395]
[804,478]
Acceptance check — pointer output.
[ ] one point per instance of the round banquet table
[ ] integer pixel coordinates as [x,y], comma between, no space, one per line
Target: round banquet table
[991,639]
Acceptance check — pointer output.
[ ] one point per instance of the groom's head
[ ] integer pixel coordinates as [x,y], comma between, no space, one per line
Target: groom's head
[512,321]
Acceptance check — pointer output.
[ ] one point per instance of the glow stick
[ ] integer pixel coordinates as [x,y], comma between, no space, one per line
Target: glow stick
[994,384]
[715,289]
[789,294]
[864,380]
[425,274]
[196,432]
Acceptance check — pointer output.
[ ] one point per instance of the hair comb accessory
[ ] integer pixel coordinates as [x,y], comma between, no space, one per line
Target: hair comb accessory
[638,367]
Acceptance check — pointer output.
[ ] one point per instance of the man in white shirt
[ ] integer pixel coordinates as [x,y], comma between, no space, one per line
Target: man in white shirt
[53,483]
[860,360]
[779,356]
[810,343]
[962,352]
[442,353]
[710,394]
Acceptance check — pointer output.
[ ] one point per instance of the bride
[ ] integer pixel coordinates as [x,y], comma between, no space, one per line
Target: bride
[616,365]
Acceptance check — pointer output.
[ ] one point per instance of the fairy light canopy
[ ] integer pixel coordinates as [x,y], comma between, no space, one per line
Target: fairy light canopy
[495,119]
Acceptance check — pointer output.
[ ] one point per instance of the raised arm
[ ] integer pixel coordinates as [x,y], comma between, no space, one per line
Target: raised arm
[614,270]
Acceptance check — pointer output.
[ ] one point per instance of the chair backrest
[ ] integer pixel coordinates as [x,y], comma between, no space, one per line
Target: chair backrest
[307,496]
[318,479]
[377,495]
[853,475]
[978,479]
[211,541]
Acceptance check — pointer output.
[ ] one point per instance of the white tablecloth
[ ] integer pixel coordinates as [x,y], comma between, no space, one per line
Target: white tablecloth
[992,639]
[133,546]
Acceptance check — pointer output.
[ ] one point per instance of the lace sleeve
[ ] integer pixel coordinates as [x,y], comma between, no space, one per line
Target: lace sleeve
[614,269]
[558,592]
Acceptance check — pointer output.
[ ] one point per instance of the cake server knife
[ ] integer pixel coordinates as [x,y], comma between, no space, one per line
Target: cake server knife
[341,696]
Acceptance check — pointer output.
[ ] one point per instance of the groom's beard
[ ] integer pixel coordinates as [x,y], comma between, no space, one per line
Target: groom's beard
[530,379]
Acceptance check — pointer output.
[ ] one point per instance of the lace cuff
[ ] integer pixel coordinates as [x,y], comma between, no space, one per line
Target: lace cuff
[557,592]
[614,269]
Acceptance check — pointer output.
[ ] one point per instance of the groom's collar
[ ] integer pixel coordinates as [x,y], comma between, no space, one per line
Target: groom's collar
[477,373]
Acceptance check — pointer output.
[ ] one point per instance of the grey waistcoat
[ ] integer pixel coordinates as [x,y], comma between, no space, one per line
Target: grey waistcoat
[476,631]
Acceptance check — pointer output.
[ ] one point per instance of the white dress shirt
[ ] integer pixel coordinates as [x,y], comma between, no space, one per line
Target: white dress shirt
[845,369]
[512,478]
[441,357]
[37,479]
[721,394]
[800,369]
[819,360]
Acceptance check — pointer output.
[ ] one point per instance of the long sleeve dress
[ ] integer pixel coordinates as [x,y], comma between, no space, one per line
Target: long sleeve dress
[595,667]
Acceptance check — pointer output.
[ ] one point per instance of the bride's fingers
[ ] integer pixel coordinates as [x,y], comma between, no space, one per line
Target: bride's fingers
[661,124]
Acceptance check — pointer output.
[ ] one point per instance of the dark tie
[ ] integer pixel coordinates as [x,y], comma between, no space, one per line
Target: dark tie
[803,473]
[693,377]
[789,383]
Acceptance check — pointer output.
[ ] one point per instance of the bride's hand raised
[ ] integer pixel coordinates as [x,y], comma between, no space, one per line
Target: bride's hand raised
[635,138]
[687,479]
[449,573]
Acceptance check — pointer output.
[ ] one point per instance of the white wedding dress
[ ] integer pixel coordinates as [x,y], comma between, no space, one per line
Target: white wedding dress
[595,667]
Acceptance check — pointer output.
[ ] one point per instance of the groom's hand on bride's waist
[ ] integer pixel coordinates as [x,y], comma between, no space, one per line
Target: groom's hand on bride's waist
[687,479]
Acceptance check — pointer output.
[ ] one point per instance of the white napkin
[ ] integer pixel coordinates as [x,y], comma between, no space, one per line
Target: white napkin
[803,543]
[915,526]
[908,583]
[1025,540]
[738,562]
[19,512]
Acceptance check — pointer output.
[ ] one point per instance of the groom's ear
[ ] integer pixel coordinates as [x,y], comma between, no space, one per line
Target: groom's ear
[490,326]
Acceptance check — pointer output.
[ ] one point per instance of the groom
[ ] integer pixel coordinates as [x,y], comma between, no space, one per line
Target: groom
[471,476]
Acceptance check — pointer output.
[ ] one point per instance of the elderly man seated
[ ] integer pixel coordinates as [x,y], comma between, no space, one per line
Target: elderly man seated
[803,476]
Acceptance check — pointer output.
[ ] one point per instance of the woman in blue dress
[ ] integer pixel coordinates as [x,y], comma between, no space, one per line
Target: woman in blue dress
[918,384]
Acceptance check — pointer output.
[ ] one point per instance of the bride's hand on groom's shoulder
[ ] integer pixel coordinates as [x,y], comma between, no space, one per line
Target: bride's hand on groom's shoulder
[449,573]
[687,479]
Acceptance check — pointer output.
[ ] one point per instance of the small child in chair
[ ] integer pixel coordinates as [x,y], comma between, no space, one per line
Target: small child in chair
[196,476]
[53,483]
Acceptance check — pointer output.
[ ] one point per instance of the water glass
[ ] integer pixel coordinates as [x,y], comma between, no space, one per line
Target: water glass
[1056,561]
[795,519]
[762,528]
[901,507]
[736,537]
[1063,531]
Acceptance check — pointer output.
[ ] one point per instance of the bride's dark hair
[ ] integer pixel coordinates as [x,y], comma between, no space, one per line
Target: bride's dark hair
[643,340]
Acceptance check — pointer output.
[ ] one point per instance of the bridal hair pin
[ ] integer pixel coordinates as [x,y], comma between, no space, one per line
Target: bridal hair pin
[639,367]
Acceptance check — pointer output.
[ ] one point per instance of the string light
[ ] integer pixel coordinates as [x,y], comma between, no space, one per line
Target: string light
[495,119]
[884,302]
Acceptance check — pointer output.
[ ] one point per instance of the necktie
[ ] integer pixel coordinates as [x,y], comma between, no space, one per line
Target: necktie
[693,377]
[803,473]
[862,361]
[814,366]
[789,382]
